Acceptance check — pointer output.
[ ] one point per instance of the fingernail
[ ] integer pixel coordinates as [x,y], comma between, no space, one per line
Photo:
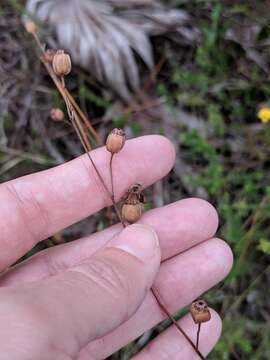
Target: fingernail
[138,240]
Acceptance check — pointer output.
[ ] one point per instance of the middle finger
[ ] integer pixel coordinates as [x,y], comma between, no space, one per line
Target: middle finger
[179,226]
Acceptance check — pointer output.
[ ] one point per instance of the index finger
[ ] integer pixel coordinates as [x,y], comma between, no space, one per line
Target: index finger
[36,206]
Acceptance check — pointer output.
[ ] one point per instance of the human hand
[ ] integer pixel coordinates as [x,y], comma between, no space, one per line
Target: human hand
[86,299]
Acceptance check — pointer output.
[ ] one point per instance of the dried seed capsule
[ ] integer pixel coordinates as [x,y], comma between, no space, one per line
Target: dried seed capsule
[131,213]
[61,63]
[57,114]
[115,141]
[200,312]
[30,27]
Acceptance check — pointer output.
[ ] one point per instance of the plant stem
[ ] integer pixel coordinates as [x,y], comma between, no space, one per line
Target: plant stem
[111,174]
[112,193]
[164,309]
[80,136]
[65,93]
[76,115]
[84,118]
[198,336]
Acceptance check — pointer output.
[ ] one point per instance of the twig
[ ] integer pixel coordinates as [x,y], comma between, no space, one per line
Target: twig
[164,309]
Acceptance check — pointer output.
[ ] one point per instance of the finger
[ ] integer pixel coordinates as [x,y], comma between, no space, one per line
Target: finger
[87,301]
[172,345]
[36,206]
[180,281]
[179,226]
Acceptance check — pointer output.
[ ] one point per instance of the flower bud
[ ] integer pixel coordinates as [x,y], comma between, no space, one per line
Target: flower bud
[57,114]
[115,141]
[131,213]
[200,312]
[61,63]
[30,27]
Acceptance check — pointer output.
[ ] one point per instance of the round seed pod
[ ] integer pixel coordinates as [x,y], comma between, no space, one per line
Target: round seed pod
[131,213]
[200,312]
[115,141]
[61,63]
[57,114]
[31,27]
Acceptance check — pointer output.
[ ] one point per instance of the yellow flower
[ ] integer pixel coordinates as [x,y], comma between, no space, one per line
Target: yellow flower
[264,114]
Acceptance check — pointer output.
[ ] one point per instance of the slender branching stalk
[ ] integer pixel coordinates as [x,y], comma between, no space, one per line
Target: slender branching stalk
[198,336]
[113,193]
[63,82]
[64,91]
[179,328]
[111,174]
[79,122]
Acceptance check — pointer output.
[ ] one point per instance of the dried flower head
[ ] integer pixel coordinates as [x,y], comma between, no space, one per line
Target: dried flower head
[61,63]
[115,141]
[200,311]
[133,204]
[57,114]
[30,27]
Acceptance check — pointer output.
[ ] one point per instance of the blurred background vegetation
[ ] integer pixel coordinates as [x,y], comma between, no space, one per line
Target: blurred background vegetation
[205,96]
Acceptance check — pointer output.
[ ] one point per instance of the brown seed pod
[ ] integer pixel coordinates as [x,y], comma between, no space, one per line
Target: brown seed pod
[31,27]
[115,141]
[200,312]
[133,202]
[134,195]
[49,55]
[61,63]
[57,114]
[131,213]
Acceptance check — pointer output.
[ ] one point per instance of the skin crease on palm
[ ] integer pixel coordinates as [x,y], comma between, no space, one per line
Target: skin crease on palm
[88,298]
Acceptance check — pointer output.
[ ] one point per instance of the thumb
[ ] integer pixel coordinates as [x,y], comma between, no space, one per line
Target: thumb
[86,302]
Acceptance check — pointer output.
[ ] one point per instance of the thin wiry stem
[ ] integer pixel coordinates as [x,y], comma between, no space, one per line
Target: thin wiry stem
[112,191]
[198,336]
[84,118]
[76,115]
[63,81]
[66,93]
[164,309]
[111,174]
[77,126]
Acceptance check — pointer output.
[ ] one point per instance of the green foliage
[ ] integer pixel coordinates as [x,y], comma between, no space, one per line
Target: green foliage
[211,56]
[99,101]
[211,176]
[229,162]
[234,339]
[264,246]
